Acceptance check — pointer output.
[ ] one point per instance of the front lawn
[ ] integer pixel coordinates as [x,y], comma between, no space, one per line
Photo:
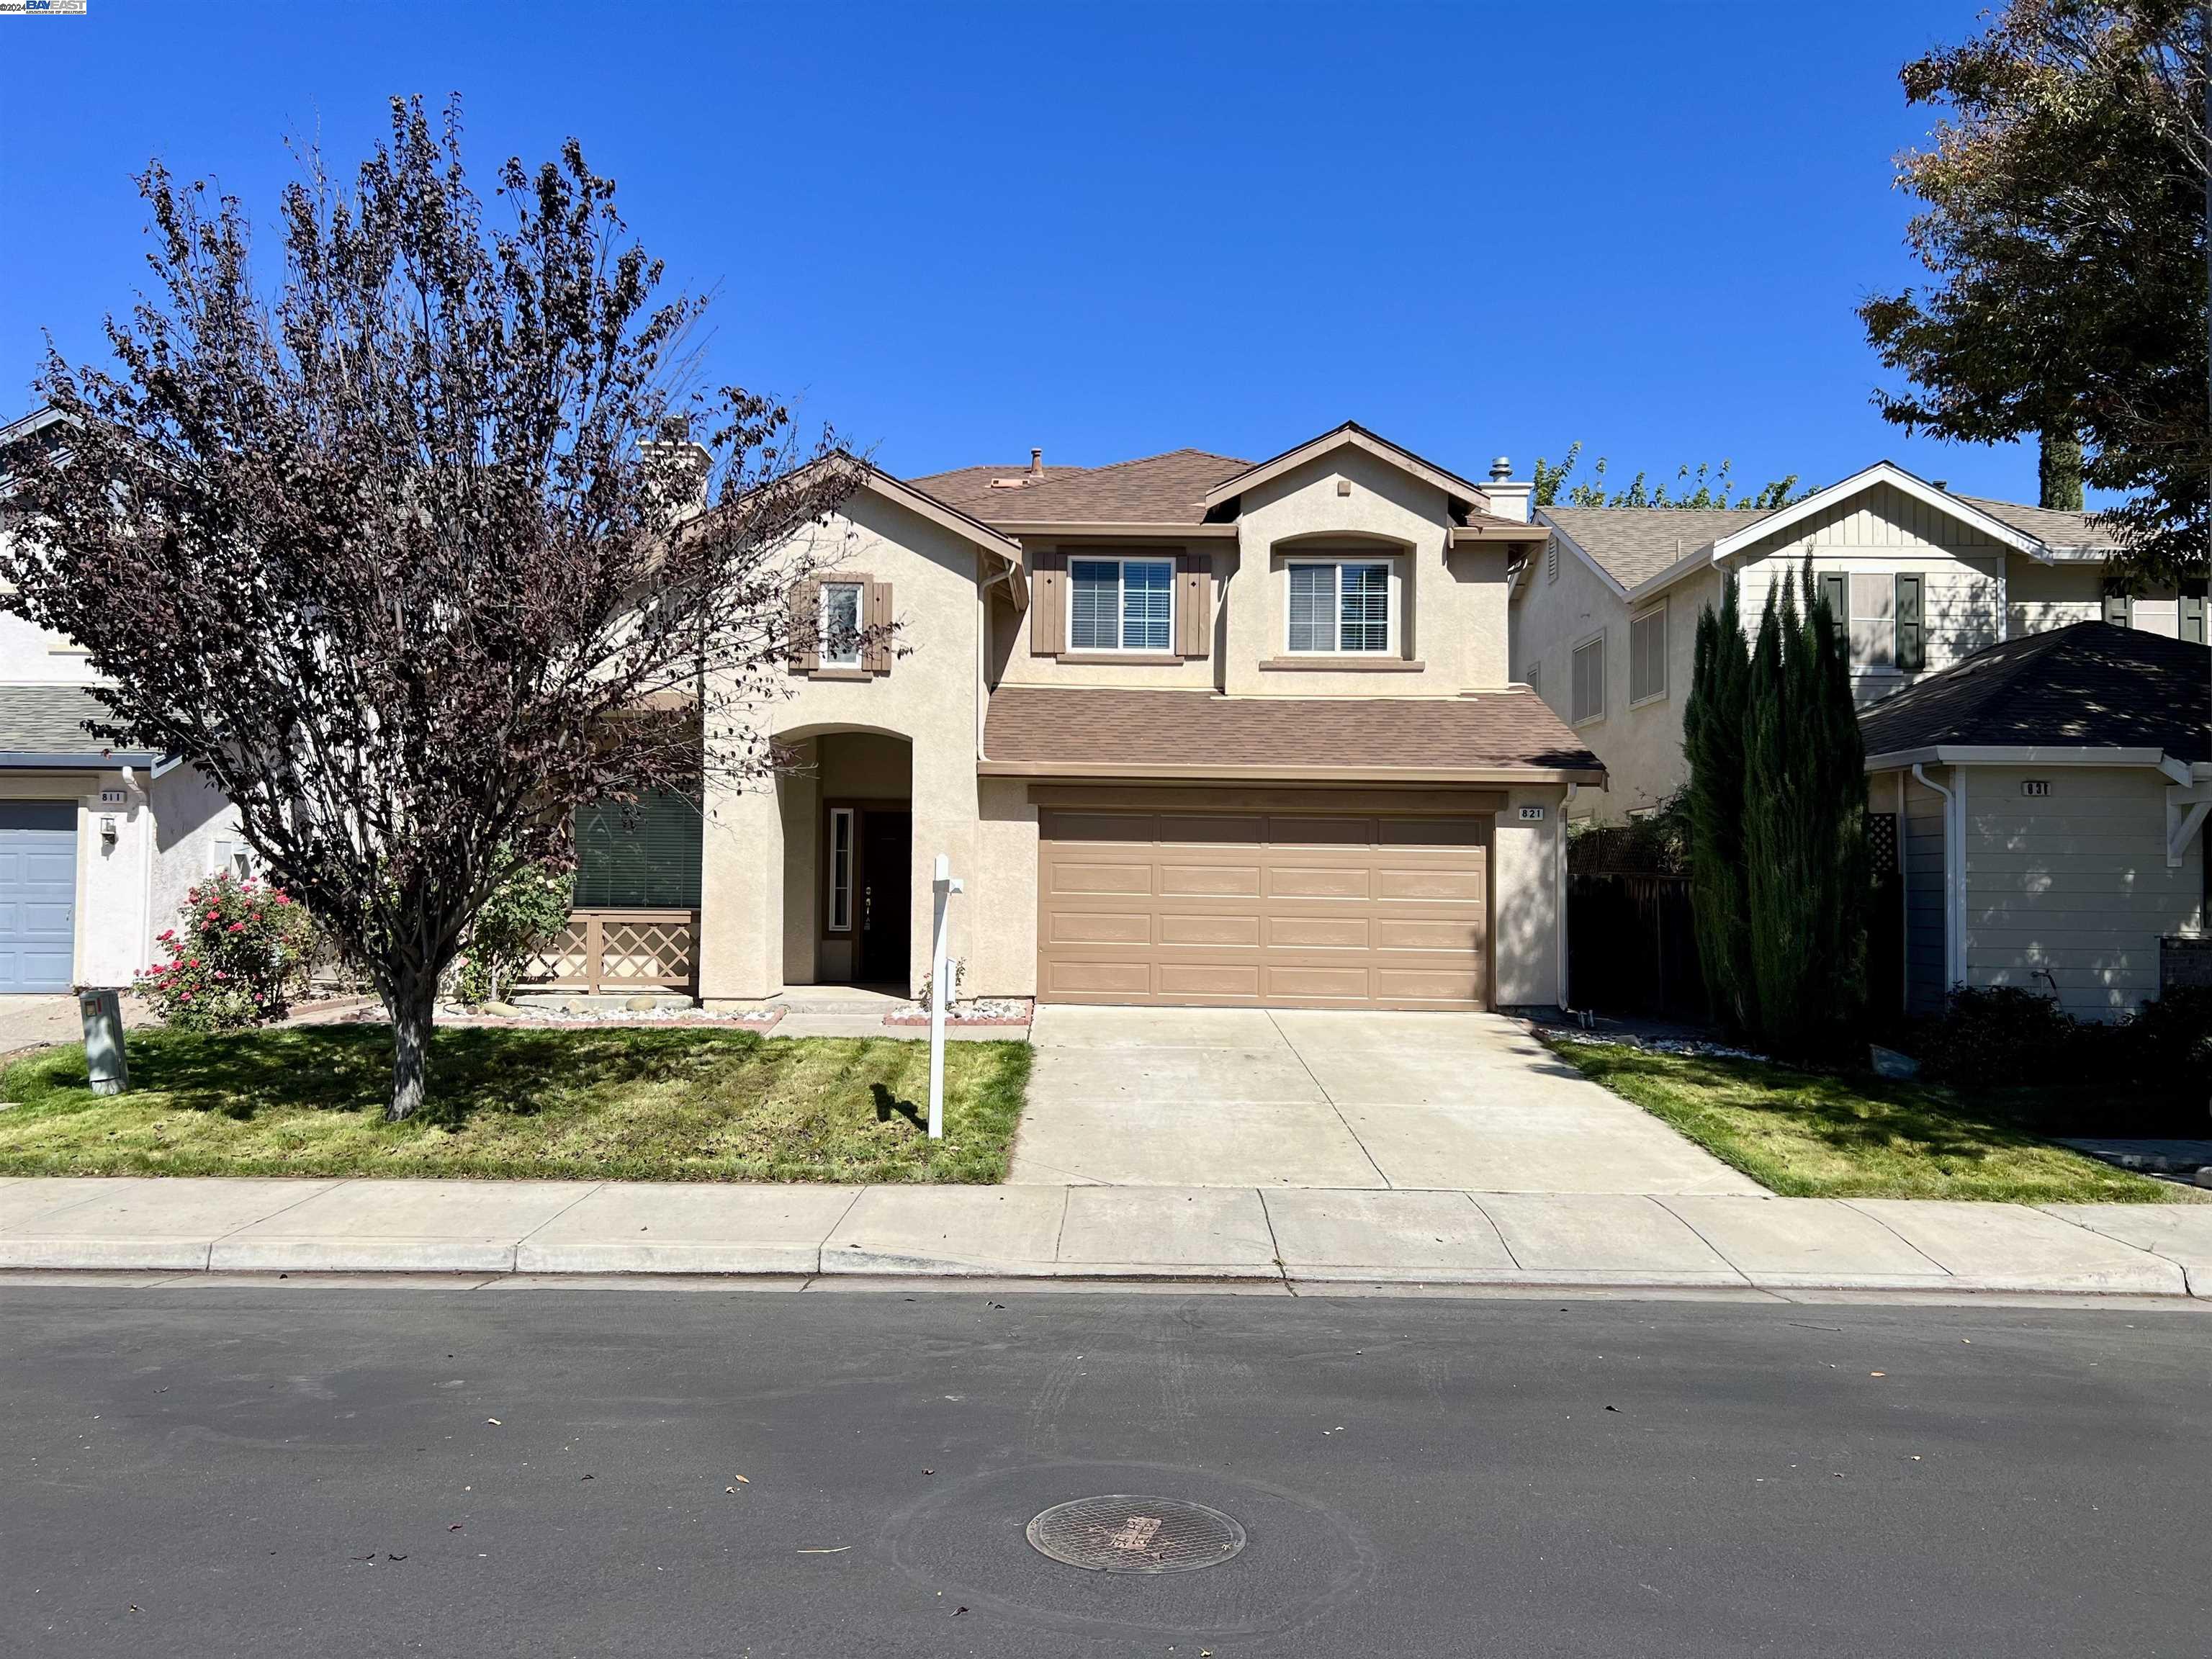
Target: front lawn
[1809,1134]
[631,1104]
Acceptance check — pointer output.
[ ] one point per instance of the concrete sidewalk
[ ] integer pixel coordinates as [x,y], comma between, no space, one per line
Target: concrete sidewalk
[1316,1237]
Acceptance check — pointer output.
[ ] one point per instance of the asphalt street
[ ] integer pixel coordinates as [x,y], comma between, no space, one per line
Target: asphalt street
[288,1470]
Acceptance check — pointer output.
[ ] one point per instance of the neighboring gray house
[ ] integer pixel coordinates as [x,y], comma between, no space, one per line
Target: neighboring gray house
[2051,793]
[1604,620]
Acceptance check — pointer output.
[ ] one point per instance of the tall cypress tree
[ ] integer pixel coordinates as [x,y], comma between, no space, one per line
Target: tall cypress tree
[1781,807]
[1838,756]
[1713,739]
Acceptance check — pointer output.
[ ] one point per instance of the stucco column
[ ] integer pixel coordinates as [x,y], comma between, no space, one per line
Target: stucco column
[1525,880]
[944,822]
[740,893]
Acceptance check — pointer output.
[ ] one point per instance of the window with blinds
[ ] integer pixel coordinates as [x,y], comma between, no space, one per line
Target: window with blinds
[644,857]
[1587,701]
[1339,607]
[1647,656]
[1121,605]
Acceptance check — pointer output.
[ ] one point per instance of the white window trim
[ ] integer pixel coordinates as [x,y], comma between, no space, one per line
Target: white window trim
[1392,645]
[841,871]
[1665,678]
[1122,562]
[859,624]
[1604,691]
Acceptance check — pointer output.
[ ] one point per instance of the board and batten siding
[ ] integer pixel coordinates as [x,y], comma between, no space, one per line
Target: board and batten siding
[1921,839]
[2071,890]
[1882,529]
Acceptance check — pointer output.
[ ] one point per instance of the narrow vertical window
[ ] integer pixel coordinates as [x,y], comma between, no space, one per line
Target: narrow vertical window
[840,869]
[1586,700]
[841,624]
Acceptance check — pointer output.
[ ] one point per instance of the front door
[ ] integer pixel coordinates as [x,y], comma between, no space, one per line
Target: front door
[886,890]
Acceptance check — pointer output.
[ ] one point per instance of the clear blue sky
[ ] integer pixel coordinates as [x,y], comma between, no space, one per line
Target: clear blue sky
[958,231]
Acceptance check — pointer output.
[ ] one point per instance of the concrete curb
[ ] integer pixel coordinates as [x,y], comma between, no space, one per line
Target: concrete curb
[1087,1237]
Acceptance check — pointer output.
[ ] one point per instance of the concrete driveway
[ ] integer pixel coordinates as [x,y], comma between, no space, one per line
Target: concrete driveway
[1246,1097]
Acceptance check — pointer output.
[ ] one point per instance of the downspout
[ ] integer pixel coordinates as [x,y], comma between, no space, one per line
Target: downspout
[1954,875]
[1560,855]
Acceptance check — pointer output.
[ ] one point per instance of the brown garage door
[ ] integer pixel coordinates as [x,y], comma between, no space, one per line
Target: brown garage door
[1304,908]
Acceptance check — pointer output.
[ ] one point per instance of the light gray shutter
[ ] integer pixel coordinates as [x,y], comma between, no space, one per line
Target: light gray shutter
[2119,610]
[1911,632]
[2192,622]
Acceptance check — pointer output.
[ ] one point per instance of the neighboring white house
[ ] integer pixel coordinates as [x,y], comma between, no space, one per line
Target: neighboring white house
[1604,620]
[98,845]
[2051,794]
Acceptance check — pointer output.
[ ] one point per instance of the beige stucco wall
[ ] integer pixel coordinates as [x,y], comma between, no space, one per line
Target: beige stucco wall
[756,906]
[1526,945]
[1452,615]
[1641,746]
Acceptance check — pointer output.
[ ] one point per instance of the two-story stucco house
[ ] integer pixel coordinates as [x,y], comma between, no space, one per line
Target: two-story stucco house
[1605,623]
[1190,730]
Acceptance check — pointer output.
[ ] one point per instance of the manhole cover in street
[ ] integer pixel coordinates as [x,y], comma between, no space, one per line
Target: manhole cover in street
[1122,1532]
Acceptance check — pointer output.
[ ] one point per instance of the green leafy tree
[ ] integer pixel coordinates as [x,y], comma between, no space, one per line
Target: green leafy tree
[1708,486]
[2062,224]
[1713,735]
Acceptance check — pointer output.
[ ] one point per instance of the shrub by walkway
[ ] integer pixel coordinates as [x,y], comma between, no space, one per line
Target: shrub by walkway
[610,1103]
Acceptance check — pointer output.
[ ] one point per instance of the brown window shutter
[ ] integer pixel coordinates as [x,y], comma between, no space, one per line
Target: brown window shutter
[877,659]
[806,626]
[1194,604]
[1048,603]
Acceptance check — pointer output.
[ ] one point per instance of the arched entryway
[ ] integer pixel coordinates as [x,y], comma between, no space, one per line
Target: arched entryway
[846,803]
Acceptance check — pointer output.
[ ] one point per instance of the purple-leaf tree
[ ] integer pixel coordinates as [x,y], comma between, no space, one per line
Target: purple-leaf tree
[427,547]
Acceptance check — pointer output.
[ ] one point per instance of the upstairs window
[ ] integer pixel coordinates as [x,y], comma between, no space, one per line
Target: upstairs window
[1121,605]
[1587,702]
[1880,614]
[1647,656]
[841,624]
[1339,606]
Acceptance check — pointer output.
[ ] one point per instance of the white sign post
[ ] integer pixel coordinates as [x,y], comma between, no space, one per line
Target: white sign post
[944,885]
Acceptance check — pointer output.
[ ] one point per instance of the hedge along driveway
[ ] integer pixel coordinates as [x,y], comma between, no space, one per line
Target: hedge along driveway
[610,1103]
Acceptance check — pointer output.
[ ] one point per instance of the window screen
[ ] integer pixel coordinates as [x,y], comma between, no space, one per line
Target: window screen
[1121,605]
[1647,655]
[1340,607]
[1313,607]
[1588,701]
[643,858]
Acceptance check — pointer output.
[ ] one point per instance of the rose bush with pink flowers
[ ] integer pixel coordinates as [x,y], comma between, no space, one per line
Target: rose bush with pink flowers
[239,950]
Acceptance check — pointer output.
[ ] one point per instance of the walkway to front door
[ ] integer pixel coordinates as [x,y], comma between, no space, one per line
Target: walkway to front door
[1306,1098]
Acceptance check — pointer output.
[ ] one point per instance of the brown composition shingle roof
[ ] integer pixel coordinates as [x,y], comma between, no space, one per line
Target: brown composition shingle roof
[1071,730]
[2091,686]
[1168,489]
[1634,544]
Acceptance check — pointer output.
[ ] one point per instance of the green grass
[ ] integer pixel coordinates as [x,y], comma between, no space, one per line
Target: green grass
[612,1103]
[1809,1134]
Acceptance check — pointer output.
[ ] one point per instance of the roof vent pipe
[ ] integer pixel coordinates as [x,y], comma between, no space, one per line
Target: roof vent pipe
[1036,463]
[1501,469]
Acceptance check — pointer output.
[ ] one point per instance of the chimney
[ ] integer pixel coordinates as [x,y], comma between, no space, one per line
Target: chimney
[1036,463]
[1503,495]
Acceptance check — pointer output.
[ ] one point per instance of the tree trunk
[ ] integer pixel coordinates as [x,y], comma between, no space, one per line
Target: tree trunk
[413,1005]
